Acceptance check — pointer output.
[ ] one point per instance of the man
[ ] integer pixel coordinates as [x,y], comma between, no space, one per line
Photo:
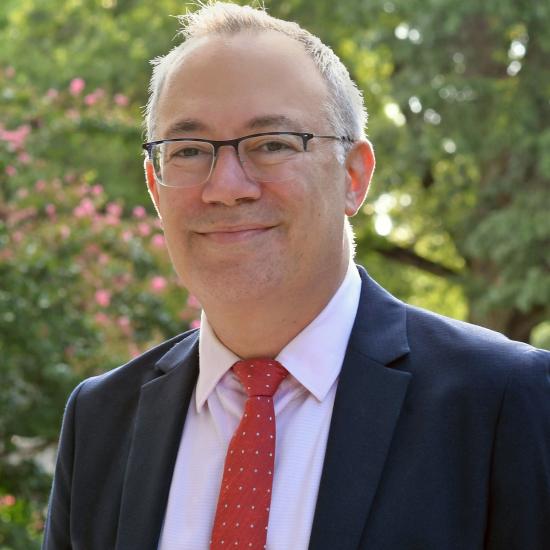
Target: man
[395,428]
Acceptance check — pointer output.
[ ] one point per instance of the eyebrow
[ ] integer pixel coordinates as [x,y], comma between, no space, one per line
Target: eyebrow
[280,121]
[189,125]
[185,126]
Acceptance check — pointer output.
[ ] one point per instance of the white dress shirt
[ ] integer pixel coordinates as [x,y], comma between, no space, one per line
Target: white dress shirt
[303,408]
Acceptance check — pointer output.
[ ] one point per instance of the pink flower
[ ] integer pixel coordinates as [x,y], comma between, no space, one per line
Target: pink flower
[139,212]
[88,206]
[94,97]
[158,240]
[103,259]
[158,284]
[144,229]
[97,189]
[76,86]
[16,138]
[84,209]
[121,100]
[127,235]
[103,297]
[111,220]
[40,185]
[24,157]
[50,210]
[90,99]
[114,209]
[196,323]
[9,72]
[11,170]
[65,231]
[52,93]
[22,193]
[7,500]
[124,323]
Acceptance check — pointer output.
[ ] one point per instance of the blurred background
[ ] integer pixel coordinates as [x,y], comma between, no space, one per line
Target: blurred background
[457,220]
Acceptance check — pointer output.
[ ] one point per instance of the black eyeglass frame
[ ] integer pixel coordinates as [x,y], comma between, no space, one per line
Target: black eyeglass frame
[306,138]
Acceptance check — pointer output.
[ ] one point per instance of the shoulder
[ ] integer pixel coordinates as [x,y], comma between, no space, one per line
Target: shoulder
[450,336]
[476,355]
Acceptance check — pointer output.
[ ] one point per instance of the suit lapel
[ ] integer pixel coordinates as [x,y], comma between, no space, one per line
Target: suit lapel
[366,409]
[161,412]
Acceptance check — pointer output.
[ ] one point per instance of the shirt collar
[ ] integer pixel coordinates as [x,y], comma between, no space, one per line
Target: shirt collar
[316,366]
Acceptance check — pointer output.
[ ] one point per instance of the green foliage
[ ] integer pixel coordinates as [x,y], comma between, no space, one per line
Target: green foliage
[20,524]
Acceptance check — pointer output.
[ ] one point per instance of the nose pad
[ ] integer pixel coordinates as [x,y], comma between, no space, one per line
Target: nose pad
[228,182]
[220,152]
[232,153]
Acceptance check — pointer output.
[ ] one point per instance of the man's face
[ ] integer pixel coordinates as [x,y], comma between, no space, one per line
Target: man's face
[231,238]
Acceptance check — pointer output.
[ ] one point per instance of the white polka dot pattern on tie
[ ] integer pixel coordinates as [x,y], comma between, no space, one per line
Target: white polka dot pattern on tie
[242,513]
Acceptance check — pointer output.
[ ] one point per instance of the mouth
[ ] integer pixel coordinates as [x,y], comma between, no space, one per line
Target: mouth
[236,234]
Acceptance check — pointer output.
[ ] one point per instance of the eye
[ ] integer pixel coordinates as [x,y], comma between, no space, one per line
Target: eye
[183,151]
[274,146]
[187,152]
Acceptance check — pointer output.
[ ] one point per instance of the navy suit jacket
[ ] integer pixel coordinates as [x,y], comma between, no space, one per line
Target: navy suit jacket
[439,440]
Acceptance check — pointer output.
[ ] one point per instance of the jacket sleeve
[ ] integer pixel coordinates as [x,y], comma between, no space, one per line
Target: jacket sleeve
[519,509]
[57,534]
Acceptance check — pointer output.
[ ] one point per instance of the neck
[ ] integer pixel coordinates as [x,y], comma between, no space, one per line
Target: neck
[262,328]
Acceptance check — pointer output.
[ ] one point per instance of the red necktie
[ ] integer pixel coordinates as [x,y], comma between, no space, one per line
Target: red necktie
[242,513]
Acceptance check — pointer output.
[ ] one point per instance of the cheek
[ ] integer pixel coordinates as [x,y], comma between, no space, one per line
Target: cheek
[328,192]
[176,206]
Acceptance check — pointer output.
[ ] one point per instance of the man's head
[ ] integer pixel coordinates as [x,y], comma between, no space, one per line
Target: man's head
[234,237]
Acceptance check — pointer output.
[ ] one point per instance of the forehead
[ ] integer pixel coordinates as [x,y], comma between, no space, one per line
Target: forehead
[223,82]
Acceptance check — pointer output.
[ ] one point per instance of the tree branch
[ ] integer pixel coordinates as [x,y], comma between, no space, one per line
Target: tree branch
[410,257]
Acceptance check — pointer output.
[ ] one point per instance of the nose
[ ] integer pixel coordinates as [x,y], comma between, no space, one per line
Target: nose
[228,183]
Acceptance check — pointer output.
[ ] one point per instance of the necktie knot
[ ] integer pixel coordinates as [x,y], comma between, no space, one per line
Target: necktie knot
[259,376]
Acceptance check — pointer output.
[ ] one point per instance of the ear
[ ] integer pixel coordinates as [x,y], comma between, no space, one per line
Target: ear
[360,165]
[151,183]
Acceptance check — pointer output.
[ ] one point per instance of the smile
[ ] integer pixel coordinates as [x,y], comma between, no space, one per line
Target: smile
[235,234]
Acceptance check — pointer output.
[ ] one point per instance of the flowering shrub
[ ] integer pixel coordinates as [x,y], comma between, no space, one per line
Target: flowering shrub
[86,284]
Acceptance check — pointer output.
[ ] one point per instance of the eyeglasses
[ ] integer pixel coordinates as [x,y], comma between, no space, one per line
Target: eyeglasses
[268,157]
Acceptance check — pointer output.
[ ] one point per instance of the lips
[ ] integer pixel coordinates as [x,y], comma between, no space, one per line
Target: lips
[235,234]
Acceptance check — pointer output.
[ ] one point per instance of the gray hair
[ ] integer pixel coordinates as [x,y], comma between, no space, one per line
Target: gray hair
[345,109]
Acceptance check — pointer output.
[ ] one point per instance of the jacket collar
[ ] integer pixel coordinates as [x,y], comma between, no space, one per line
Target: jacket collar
[161,411]
[367,407]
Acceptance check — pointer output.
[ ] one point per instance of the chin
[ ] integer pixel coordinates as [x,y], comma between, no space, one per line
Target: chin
[236,283]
